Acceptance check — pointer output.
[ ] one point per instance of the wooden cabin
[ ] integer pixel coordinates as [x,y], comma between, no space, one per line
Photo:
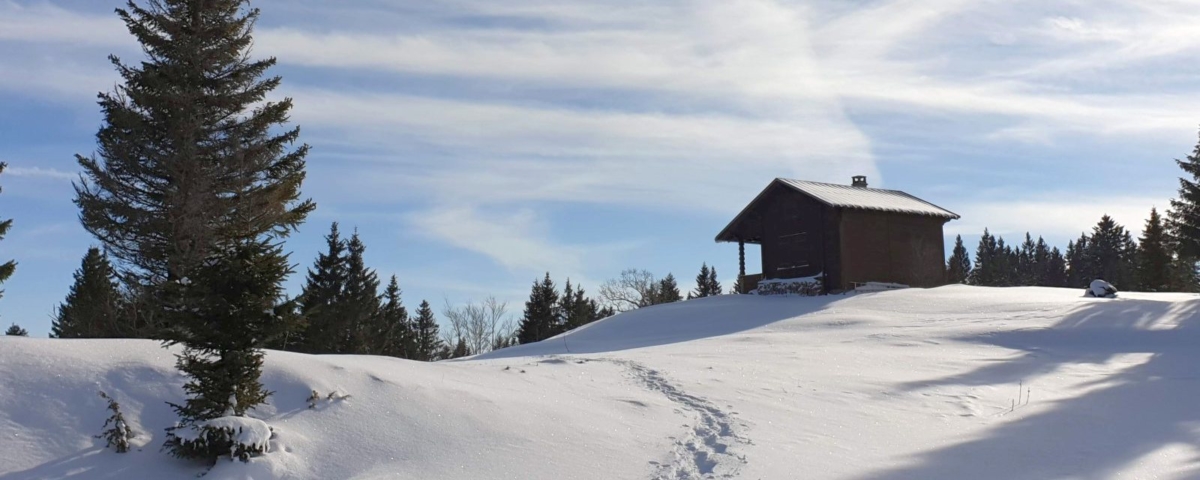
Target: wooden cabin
[849,234]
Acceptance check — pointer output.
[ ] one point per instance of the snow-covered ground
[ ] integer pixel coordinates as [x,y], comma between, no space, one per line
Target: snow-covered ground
[950,383]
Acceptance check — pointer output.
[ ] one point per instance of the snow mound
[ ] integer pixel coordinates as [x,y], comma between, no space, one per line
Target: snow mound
[248,434]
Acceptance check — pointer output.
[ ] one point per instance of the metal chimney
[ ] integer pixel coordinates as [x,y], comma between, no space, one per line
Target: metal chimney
[860,181]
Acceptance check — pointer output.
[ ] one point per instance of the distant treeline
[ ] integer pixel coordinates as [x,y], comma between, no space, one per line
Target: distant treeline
[1156,262]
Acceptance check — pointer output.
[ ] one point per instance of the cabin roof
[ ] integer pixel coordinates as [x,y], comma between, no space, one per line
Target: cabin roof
[850,197]
[846,196]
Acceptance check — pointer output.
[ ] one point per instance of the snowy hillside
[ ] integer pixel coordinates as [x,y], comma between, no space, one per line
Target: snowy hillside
[951,383]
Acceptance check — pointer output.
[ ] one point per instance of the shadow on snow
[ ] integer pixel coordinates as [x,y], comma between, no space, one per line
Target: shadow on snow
[1126,416]
[672,323]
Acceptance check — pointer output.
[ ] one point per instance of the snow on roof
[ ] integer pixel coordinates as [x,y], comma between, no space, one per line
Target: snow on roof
[846,196]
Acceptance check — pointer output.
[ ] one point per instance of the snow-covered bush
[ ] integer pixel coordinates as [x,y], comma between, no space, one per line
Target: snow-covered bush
[806,286]
[242,437]
[1100,289]
[116,431]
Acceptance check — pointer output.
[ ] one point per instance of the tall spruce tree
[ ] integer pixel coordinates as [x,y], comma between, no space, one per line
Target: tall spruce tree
[427,344]
[667,291]
[958,267]
[578,310]
[16,331]
[1056,270]
[1027,263]
[1112,249]
[1041,264]
[1081,266]
[6,268]
[194,185]
[541,317]
[320,299]
[1185,210]
[1154,256]
[985,273]
[394,333]
[706,283]
[359,312]
[1005,262]
[94,305]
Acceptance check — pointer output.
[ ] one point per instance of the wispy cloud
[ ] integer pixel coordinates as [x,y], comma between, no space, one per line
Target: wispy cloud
[1054,216]
[40,172]
[517,240]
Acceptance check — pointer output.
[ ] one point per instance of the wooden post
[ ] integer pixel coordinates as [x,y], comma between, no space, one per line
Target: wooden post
[741,266]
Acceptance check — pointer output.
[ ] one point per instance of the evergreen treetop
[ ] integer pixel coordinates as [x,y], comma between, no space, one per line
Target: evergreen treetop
[322,293]
[93,307]
[1155,261]
[1185,210]
[16,331]
[395,337]
[6,268]
[540,319]
[706,283]
[359,312]
[428,344]
[958,267]
[667,291]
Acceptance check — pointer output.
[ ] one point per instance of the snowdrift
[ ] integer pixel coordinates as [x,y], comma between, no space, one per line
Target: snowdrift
[950,383]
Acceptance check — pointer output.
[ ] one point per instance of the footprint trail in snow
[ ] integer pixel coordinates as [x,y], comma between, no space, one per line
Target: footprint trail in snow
[703,452]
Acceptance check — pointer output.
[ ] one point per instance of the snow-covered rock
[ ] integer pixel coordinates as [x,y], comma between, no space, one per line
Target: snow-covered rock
[1101,289]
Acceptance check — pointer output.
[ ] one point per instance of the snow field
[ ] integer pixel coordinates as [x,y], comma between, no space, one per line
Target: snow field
[949,383]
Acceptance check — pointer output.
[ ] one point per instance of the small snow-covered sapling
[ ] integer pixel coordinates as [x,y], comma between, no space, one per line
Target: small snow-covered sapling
[116,432]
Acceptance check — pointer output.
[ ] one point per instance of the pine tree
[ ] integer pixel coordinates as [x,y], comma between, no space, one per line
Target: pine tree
[707,284]
[579,310]
[1005,263]
[16,331]
[1184,274]
[1185,210]
[1154,256]
[958,267]
[1056,270]
[1081,266]
[1041,264]
[985,272]
[667,291]
[359,312]
[460,349]
[319,300]
[93,307]
[540,319]
[194,187]
[1027,266]
[701,290]
[222,312]
[427,343]
[1112,249]
[395,334]
[566,307]
[6,268]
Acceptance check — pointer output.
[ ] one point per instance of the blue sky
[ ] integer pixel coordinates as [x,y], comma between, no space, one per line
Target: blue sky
[476,144]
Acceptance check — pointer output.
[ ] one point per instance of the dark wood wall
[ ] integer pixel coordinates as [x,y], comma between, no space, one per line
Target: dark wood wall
[795,235]
[889,247]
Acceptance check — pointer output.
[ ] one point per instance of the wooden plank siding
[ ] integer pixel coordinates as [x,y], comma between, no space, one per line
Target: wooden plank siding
[887,247]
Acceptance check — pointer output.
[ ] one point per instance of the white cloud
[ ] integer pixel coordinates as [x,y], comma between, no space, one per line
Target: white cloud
[516,240]
[1053,216]
[511,153]
[40,172]
[47,23]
